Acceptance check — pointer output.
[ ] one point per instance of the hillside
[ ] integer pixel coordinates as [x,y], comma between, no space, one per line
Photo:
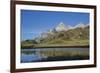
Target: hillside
[62,37]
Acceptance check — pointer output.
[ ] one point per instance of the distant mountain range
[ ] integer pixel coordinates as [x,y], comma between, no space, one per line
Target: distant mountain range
[65,32]
[62,27]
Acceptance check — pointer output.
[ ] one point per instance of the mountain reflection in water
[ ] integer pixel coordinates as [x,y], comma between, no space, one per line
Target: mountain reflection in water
[53,54]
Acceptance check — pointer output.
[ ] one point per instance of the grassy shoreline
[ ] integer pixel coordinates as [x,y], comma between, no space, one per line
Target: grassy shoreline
[56,44]
[53,46]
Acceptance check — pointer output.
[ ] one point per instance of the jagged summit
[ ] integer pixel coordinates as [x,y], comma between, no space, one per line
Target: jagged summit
[61,24]
[62,27]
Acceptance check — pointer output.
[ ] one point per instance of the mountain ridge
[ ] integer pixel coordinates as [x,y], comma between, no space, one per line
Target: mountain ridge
[61,27]
[76,36]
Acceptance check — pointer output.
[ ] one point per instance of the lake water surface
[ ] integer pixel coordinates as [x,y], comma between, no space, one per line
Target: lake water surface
[53,54]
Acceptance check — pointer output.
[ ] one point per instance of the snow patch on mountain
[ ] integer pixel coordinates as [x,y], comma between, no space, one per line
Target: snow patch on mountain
[62,27]
[80,25]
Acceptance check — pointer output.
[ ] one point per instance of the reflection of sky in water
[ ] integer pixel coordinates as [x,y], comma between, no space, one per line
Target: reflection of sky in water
[29,57]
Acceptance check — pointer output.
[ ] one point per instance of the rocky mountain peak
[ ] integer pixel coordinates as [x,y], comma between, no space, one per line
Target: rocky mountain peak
[62,27]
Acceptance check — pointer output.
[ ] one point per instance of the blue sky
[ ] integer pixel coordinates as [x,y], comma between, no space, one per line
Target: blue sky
[35,22]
